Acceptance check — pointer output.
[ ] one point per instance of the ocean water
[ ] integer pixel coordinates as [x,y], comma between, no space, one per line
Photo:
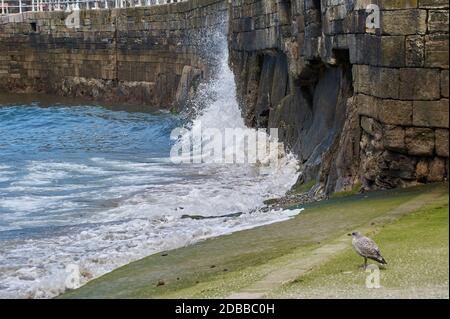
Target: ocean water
[93,188]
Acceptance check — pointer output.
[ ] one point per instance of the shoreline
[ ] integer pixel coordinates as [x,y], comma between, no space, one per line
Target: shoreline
[48,100]
[228,264]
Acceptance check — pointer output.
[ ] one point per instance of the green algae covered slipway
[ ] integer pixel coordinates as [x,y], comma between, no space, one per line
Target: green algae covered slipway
[308,256]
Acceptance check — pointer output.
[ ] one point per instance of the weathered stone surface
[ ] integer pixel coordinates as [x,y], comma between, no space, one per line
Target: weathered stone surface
[427,88]
[258,39]
[433,3]
[437,170]
[263,103]
[384,82]
[284,9]
[395,112]
[436,51]
[249,88]
[444,83]
[190,78]
[330,93]
[397,166]
[361,83]
[392,51]
[442,142]
[371,127]
[280,80]
[367,105]
[364,49]
[438,21]
[422,170]
[343,172]
[400,4]
[431,113]
[419,141]
[404,22]
[394,138]
[415,51]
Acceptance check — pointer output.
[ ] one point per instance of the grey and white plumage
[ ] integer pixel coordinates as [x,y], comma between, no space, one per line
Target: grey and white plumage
[366,248]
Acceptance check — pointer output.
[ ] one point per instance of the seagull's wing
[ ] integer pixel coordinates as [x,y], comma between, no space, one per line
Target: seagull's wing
[367,247]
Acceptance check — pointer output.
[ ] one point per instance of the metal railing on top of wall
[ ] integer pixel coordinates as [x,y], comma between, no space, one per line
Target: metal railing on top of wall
[19,6]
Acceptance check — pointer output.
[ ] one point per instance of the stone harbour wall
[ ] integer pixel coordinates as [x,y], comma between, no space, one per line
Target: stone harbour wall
[151,56]
[361,104]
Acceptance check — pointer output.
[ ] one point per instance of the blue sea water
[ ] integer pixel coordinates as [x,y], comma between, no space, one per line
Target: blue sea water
[53,157]
[93,188]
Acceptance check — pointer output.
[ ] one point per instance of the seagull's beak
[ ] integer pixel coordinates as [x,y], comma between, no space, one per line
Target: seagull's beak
[349,234]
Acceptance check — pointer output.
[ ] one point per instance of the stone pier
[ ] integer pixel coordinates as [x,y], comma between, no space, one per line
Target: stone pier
[360,102]
[137,55]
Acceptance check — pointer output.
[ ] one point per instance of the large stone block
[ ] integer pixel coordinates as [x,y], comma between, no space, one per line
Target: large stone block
[433,4]
[361,79]
[384,82]
[415,51]
[431,113]
[442,142]
[419,84]
[394,138]
[404,22]
[284,11]
[419,141]
[422,171]
[437,170]
[438,21]
[350,23]
[399,4]
[436,51]
[395,112]
[367,105]
[258,39]
[392,51]
[364,49]
[444,83]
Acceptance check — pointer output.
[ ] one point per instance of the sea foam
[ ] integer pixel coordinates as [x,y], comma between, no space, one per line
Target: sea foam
[101,208]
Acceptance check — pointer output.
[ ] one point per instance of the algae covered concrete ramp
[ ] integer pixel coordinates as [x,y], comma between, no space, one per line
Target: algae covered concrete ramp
[300,266]
[253,263]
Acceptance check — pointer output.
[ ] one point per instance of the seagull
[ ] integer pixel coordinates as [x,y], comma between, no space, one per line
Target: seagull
[366,248]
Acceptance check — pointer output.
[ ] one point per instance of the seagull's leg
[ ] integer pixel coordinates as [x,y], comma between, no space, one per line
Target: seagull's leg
[365,263]
[362,266]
